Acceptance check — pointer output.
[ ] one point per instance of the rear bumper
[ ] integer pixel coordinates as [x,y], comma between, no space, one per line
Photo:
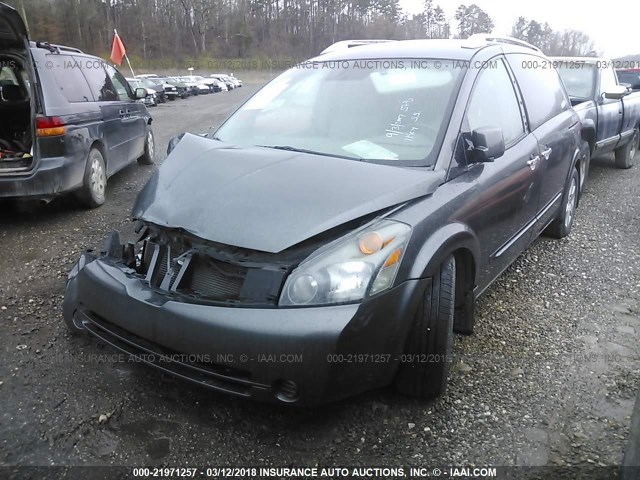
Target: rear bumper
[52,176]
[329,352]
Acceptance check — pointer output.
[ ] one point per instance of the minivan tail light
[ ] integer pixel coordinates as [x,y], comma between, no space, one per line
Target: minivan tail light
[49,127]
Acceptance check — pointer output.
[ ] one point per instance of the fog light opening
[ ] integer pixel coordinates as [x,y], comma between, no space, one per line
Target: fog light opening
[76,321]
[285,390]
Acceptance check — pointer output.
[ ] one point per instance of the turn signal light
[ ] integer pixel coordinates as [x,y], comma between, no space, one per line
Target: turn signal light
[50,127]
[393,258]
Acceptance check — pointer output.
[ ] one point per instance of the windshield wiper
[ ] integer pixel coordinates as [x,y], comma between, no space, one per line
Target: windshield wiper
[289,148]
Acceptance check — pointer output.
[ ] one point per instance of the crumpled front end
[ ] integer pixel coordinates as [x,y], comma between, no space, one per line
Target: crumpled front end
[209,313]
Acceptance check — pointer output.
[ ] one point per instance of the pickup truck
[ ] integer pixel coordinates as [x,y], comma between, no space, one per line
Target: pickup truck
[631,77]
[608,111]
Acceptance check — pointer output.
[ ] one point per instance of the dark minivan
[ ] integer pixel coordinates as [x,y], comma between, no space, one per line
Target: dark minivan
[68,121]
[336,230]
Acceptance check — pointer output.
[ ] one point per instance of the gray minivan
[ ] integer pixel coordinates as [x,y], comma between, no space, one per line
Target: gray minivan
[68,121]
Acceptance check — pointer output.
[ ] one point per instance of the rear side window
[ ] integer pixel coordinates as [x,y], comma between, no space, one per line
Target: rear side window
[494,103]
[541,87]
[101,87]
[608,80]
[69,78]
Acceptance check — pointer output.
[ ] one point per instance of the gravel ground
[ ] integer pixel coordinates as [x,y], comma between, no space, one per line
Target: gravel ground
[549,378]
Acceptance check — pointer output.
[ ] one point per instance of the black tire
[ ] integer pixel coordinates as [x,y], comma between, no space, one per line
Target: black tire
[430,339]
[561,226]
[92,194]
[626,153]
[149,154]
[585,163]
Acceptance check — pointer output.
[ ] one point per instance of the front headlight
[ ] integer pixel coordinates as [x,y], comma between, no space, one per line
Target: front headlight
[362,263]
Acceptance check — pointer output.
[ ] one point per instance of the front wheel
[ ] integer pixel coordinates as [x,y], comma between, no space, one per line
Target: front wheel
[626,153]
[425,364]
[148,156]
[561,226]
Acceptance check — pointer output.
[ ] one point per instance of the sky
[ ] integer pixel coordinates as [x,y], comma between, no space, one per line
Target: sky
[613,25]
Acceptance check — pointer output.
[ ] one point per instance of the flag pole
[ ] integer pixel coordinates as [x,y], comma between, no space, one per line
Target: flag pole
[126,56]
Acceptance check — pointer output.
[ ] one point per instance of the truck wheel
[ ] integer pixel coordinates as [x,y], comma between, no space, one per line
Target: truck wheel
[94,185]
[561,226]
[423,373]
[148,156]
[626,153]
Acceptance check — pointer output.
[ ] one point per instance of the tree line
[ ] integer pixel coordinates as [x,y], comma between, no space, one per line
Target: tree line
[173,29]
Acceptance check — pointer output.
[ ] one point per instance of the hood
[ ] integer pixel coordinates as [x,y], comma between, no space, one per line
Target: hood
[269,200]
[12,30]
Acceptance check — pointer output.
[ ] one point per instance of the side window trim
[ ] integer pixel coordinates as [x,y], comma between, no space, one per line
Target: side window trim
[515,141]
[524,107]
[107,79]
[113,71]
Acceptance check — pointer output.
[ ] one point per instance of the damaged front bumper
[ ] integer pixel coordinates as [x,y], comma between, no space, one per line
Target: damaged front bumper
[304,356]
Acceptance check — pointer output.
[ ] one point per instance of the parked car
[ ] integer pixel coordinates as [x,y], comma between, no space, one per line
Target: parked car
[224,79]
[630,77]
[313,248]
[219,86]
[150,99]
[237,82]
[170,90]
[158,86]
[205,85]
[184,91]
[194,87]
[609,115]
[68,121]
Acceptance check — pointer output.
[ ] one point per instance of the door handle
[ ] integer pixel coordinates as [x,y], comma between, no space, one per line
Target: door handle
[533,162]
[547,153]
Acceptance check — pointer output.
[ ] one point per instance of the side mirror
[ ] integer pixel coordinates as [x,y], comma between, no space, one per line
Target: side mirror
[173,143]
[488,144]
[141,93]
[615,92]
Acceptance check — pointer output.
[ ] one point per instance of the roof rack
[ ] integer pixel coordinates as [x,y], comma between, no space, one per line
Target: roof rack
[485,37]
[53,48]
[344,44]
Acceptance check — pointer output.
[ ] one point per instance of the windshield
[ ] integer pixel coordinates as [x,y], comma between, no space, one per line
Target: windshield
[376,110]
[632,78]
[579,78]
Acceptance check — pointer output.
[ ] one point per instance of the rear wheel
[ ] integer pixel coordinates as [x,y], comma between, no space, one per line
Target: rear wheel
[561,226]
[425,366]
[626,153]
[149,149]
[94,186]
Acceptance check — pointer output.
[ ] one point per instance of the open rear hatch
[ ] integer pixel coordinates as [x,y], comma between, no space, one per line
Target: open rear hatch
[16,109]
[13,32]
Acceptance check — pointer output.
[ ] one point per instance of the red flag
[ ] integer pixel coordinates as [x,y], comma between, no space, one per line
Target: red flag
[117,50]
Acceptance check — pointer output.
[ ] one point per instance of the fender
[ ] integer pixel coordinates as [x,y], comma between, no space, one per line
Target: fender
[454,237]
[442,243]
[588,132]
